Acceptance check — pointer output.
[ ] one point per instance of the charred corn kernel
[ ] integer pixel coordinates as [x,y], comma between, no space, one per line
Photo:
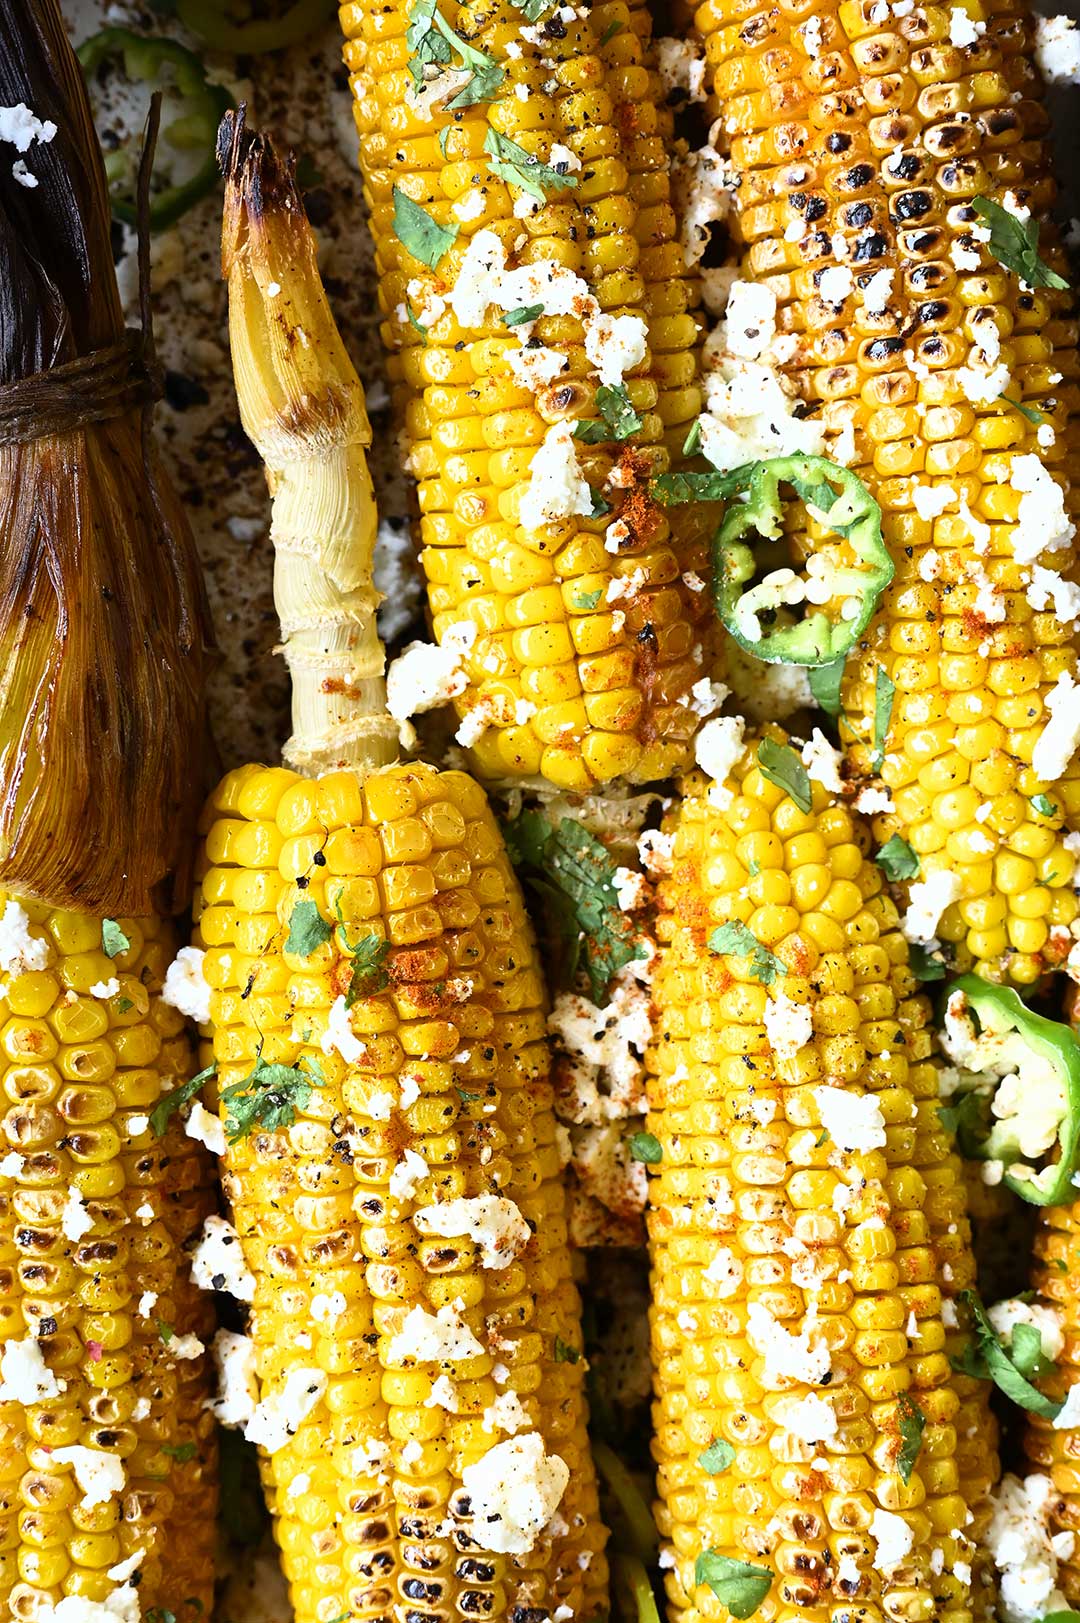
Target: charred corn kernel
[1052,1450]
[545,588]
[96,1280]
[431,1087]
[860,160]
[806,1220]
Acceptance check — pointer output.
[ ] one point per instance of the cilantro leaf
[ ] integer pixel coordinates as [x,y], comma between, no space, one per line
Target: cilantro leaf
[1029,412]
[414,321]
[620,420]
[825,683]
[739,942]
[369,954]
[519,168]
[180,1452]
[738,1585]
[988,1360]
[1015,244]
[646,1147]
[588,600]
[717,1457]
[159,1116]
[924,965]
[532,10]
[419,233]
[433,43]
[523,313]
[897,860]
[564,1353]
[780,764]
[912,1426]
[1044,805]
[307,929]
[575,875]
[269,1097]
[884,693]
[113,939]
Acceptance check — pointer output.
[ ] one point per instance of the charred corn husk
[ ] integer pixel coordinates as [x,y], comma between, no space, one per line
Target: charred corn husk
[807,1220]
[104,630]
[378,1029]
[107,1455]
[864,145]
[553,295]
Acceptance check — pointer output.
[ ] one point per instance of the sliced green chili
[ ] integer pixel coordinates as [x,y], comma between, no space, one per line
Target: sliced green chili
[256,38]
[1045,1056]
[203,104]
[839,500]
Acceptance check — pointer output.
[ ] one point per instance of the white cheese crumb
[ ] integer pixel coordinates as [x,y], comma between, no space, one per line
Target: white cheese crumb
[750,320]
[615,345]
[853,1121]
[217,1263]
[795,1357]
[424,676]
[557,488]
[237,1383]
[25,1378]
[514,1490]
[812,1419]
[147,1303]
[101,1476]
[1068,1417]
[339,1036]
[186,1348]
[185,985]
[205,1128]
[410,1171]
[725,1271]
[927,900]
[75,1220]
[822,762]
[20,128]
[963,28]
[105,989]
[681,65]
[122,1606]
[893,1537]
[124,1570]
[1048,589]
[931,500]
[719,745]
[1006,1315]
[656,851]
[1024,1552]
[1057,49]
[12,1165]
[878,291]
[506,1414]
[1042,524]
[327,1307]
[279,1415]
[432,1338]
[1058,741]
[20,952]
[835,284]
[494,1222]
[788,1025]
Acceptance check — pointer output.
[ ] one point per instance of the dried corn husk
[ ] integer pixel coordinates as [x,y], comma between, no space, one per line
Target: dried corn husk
[104,627]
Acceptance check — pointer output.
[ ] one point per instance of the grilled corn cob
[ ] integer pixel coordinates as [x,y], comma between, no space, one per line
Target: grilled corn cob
[108,1453]
[864,143]
[806,1220]
[377,1018]
[582,602]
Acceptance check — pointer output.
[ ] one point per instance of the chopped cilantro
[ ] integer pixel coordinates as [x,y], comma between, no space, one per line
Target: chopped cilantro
[1044,805]
[113,939]
[884,692]
[369,954]
[180,1452]
[912,1426]
[924,965]
[519,168]
[739,942]
[717,1457]
[1015,244]
[780,764]
[159,1116]
[620,420]
[897,860]
[646,1147]
[564,1353]
[609,33]
[588,600]
[123,1005]
[414,321]
[1011,1369]
[419,233]
[308,930]
[523,313]
[825,683]
[433,43]
[1029,412]
[692,442]
[738,1585]
[269,1097]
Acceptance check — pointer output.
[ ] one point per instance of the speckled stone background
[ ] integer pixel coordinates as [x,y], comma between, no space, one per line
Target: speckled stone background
[302,97]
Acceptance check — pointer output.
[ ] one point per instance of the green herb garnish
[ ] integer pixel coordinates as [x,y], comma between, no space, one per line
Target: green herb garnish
[269,1097]
[884,692]
[159,1116]
[738,1585]
[912,1426]
[646,1147]
[113,939]
[523,313]
[740,942]
[717,1457]
[419,233]
[897,860]
[519,168]
[620,420]
[1015,244]
[308,930]
[780,764]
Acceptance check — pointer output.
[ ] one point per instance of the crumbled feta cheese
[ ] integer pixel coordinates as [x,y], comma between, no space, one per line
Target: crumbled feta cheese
[719,745]
[20,128]
[615,345]
[725,1272]
[427,1338]
[681,65]
[749,320]
[217,1263]
[1057,49]
[893,1538]
[397,577]
[237,1383]
[705,697]
[927,900]
[20,952]
[494,1222]
[185,985]
[12,1165]
[1058,741]
[1068,1416]
[1048,589]
[426,675]
[602,1046]
[749,415]
[795,1357]
[101,1476]
[788,1025]
[145,1213]
[410,1171]
[279,1415]
[75,1220]
[506,1414]
[835,284]
[205,1128]
[631,889]
[810,35]
[557,488]
[1025,1553]
[25,1378]
[853,1121]
[122,1606]
[443,1395]
[931,500]
[147,1303]
[514,1490]
[105,989]
[187,1348]
[656,851]
[339,1036]
[534,366]
[963,28]
[703,184]
[124,1570]
[1042,524]
[1006,1315]
[823,763]
[981,386]
[812,1419]
[872,801]
[878,291]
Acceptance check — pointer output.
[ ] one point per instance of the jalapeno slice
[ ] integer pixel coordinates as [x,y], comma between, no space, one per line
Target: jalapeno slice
[255,38]
[1018,1077]
[161,63]
[842,582]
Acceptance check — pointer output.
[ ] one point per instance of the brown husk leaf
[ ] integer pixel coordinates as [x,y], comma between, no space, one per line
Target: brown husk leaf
[104,626]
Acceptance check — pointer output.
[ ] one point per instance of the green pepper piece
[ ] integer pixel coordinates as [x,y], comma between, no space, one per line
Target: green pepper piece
[839,499]
[1053,1057]
[146,60]
[204,17]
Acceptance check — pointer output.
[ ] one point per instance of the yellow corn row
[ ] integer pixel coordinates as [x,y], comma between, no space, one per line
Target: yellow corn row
[583,653]
[803,1240]
[100,1325]
[1050,1450]
[441,1095]
[862,140]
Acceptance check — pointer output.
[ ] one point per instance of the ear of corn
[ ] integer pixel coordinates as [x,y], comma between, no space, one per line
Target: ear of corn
[100,1325]
[862,141]
[807,1229]
[588,630]
[1053,1451]
[378,1029]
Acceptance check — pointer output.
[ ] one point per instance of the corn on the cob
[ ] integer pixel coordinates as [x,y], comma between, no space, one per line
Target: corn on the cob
[108,1453]
[806,1220]
[862,141]
[415,1323]
[587,631]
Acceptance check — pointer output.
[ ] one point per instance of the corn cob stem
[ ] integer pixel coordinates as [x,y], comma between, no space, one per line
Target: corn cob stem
[303,408]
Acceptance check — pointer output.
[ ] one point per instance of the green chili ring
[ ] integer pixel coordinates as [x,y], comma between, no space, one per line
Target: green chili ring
[852,514]
[205,105]
[1056,1044]
[256,38]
